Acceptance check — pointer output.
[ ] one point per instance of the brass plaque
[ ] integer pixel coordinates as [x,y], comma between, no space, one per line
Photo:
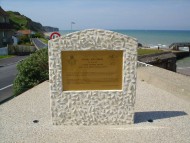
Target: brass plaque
[92,70]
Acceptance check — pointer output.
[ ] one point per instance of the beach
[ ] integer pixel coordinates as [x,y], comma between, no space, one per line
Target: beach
[183,66]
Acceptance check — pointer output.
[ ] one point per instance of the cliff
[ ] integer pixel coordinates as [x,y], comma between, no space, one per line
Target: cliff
[21,22]
[50,29]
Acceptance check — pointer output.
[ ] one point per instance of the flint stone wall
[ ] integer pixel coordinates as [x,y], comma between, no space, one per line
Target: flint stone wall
[93,107]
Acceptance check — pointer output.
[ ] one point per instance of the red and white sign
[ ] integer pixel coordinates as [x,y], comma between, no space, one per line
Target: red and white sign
[55,35]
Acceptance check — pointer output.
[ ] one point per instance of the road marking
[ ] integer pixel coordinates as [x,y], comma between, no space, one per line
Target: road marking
[6,87]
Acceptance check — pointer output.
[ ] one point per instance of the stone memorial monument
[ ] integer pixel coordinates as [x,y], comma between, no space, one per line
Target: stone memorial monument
[92,75]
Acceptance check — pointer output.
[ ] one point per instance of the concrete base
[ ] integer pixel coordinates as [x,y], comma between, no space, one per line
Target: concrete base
[170,115]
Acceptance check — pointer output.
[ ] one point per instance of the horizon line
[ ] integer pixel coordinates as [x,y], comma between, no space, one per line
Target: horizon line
[128,29]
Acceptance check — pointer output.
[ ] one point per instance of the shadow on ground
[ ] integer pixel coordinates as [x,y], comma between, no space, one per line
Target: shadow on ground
[155,115]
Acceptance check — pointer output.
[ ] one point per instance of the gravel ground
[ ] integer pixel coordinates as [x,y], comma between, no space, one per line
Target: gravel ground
[170,115]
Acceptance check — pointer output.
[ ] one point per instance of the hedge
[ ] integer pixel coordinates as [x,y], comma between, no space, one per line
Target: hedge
[31,71]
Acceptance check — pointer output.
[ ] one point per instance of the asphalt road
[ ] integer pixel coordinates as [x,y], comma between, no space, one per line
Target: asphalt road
[8,74]
[38,43]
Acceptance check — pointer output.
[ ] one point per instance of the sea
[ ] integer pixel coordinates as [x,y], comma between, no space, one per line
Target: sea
[155,38]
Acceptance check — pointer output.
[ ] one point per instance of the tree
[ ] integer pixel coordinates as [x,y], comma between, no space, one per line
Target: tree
[31,71]
[24,39]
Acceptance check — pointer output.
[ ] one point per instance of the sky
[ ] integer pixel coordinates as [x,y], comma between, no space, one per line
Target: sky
[105,14]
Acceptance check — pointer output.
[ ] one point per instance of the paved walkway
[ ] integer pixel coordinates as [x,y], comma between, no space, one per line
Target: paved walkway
[170,115]
[172,82]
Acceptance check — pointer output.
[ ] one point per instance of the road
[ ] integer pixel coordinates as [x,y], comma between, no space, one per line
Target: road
[8,73]
[38,44]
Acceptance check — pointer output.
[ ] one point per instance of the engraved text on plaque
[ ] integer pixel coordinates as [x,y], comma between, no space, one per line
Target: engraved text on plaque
[92,70]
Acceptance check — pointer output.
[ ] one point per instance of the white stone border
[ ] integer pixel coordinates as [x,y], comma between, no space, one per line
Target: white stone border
[93,107]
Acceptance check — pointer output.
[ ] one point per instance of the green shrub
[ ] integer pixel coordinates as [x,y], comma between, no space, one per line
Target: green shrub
[38,35]
[24,39]
[31,71]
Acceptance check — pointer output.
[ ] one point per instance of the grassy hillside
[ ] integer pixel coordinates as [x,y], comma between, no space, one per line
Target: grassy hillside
[148,51]
[21,22]
[18,21]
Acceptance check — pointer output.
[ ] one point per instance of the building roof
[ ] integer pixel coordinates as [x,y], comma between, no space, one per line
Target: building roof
[25,32]
[2,12]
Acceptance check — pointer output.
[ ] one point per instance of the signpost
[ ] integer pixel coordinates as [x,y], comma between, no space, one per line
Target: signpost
[55,35]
